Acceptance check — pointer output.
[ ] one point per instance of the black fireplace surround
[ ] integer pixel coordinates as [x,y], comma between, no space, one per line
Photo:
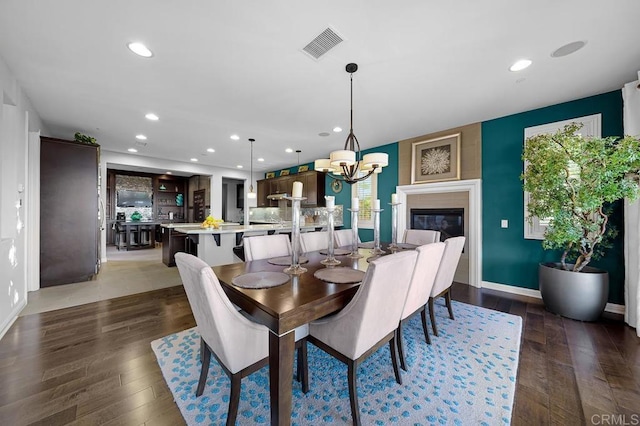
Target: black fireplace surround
[450,222]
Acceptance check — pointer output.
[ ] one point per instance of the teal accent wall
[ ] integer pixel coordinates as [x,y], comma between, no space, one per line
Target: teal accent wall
[507,257]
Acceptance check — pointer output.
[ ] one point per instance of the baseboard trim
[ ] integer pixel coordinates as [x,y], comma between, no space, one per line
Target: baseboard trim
[12,318]
[610,307]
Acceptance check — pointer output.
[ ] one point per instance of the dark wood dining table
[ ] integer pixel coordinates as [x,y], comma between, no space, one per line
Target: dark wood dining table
[283,308]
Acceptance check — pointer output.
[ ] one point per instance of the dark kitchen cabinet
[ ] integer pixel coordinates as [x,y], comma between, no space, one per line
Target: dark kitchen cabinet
[312,188]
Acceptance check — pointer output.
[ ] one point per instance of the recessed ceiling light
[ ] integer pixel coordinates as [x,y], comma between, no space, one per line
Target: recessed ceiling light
[261,159]
[239,166]
[520,65]
[140,49]
[151,116]
[324,134]
[211,150]
[141,137]
[169,173]
[235,137]
[194,159]
[288,150]
[337,129]
[132,150]
[568,49]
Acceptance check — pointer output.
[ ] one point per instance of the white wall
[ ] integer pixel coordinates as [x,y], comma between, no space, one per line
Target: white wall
[18,178]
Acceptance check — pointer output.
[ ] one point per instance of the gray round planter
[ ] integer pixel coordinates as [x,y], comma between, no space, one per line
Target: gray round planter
[577,295]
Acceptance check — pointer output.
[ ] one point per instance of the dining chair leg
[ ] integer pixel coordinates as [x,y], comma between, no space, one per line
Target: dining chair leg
[423,314]
[234,399]
[205,358]
[432,315]
[447,298]
[352,366]
[302,372]
[400,344]
[394,358]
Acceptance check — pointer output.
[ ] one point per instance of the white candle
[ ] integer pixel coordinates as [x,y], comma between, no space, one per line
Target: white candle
[394,198]
[331,201]
[376,204]
[296,192]
[355,203]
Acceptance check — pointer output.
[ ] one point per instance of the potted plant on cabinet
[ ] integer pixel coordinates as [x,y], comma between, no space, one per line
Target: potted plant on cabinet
[571,181]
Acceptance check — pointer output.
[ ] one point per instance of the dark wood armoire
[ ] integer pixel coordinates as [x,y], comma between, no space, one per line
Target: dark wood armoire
[69,217]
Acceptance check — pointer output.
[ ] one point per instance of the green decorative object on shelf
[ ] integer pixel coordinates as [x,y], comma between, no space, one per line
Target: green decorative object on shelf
[79,137]
[179,200]
[136,216]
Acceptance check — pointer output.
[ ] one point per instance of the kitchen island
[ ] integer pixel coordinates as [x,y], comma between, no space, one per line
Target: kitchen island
[215,245]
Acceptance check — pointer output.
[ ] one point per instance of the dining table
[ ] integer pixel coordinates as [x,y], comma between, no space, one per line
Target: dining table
[282,308]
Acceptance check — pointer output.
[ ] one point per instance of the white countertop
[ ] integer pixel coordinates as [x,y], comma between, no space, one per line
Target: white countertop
[232,228]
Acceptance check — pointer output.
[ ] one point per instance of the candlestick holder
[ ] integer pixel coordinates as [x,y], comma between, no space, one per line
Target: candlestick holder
[376,232]
[354,234]
[330,259]
[295,268]
[394,226]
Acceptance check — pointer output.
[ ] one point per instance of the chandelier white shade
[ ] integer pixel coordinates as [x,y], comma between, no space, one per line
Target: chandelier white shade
[347,164]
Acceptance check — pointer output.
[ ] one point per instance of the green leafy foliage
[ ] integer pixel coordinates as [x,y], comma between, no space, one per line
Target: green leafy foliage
[79,137]
[572,180]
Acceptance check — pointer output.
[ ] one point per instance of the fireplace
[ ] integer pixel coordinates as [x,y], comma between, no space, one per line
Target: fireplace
[450,222]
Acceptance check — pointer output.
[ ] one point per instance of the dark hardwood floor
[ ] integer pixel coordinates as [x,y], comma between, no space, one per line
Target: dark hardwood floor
[93,364]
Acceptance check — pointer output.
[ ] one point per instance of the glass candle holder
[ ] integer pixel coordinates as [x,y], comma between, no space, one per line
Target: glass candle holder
[394,226]
[376,232]
[295,268]
[330,260]
[354,234]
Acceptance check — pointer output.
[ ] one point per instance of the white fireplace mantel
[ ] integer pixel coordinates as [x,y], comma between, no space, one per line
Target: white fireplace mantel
[471,186]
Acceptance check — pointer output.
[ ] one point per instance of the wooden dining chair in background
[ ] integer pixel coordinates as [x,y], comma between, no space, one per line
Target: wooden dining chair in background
[420,236]
[444,277]
[369,320]
[424,275]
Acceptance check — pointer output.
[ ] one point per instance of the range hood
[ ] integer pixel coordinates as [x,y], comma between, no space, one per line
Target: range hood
[277,196]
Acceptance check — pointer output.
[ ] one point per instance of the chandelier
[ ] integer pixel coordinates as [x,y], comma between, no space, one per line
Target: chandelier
[347,164]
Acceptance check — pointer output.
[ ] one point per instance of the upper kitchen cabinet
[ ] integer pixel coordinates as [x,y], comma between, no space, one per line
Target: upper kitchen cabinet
[312,188]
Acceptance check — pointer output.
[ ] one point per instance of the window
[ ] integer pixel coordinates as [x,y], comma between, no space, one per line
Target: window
[367,191]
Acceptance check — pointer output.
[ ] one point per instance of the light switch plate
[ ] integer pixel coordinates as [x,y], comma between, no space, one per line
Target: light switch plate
[504,223]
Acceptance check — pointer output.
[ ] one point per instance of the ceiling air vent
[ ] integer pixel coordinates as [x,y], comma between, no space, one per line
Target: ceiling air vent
[327,40]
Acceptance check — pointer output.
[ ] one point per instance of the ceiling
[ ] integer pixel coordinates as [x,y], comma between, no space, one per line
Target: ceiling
[223,67]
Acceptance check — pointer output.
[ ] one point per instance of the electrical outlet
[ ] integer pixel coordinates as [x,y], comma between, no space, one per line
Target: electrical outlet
[504,223]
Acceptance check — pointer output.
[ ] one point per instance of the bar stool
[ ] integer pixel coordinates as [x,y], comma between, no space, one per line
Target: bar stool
[120,232]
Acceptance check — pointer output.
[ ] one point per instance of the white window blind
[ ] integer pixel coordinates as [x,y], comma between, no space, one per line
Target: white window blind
[366,191]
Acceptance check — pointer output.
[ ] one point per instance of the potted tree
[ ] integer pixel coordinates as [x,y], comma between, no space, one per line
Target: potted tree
[572,181]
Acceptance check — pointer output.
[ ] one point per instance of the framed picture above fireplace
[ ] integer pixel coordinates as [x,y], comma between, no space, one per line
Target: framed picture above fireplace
[436,159]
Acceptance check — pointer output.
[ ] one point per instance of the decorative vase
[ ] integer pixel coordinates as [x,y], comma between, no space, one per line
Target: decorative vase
[576,295]
[136,216]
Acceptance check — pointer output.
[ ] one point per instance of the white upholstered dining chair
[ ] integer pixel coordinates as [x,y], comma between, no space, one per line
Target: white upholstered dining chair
[313,241]
[444,277]
[240,346]
[420,237]
[369,320]
[424,275]
[344,237]
[266,246]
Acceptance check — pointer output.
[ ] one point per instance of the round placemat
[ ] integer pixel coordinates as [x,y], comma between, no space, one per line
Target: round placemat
[336,252]
[341,275]
[261,279]
[286,260]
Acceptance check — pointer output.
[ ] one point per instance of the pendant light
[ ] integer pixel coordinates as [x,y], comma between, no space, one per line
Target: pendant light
[347,163]
[251,194]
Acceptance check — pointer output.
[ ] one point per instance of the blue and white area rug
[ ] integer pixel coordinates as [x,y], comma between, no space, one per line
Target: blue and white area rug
[466,376]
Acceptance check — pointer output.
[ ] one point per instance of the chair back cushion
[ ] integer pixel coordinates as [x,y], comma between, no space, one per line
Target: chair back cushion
[374,310]
[344,238]
[313,241]
[420,237]
[266,246]
[448,265]
[236,341]
[424,275]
